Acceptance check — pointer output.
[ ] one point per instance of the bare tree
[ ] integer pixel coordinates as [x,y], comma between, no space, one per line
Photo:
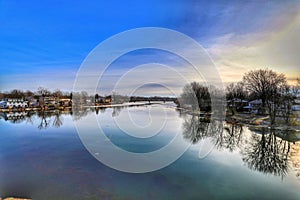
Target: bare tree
[263,83]
[196,92]
[296,88]
[43,91]
[16,94]
[268,86]
[57,93]
[287,99]
[236,91]
[29,93]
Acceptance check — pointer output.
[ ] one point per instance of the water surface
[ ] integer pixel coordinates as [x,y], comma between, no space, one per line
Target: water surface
[42,157]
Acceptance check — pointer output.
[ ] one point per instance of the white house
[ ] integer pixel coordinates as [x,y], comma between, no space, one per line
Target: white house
[296,107]
[16,103]
[253,106]
[237,103]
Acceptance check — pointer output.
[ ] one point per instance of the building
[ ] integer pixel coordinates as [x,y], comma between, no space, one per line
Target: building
[13,103]
[296,107]
[3,104]
[99,99]
[65,102]
[102,100]
[108,99]
[48,102]
[253,106]
[237,104]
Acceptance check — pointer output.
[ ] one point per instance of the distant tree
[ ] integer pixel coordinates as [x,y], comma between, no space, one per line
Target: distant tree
[296,88]
[16,94]
[196,95]
[118,98]
[65,94]
[83,98]
[29,93]
[43,92]
[57,93]
[236,90]
[286,101]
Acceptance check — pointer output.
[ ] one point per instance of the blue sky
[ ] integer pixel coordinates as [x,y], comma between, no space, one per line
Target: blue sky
[43,43]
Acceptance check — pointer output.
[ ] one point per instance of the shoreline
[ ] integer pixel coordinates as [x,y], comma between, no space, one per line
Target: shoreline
[256,121]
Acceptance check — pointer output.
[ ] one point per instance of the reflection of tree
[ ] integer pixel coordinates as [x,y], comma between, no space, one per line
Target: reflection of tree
[230,138]
[45,120]
[57,122]
[78,113]
[17,120]
[197,96]
[262,152]
[295,157]
[267,153]
[101,109]
[29,117]
[196,128]
[116,111]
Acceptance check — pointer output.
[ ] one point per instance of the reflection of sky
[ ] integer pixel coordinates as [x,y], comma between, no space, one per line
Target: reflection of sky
[45,43]
[140,129]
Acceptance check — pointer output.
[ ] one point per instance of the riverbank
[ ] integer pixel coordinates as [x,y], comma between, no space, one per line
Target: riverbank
[8,110]
[257,122]
[12,198]
[260,123]
[84,106]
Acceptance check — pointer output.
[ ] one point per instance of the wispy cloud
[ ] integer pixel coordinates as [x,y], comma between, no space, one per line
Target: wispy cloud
[276,46]
[238,35]
[58,79]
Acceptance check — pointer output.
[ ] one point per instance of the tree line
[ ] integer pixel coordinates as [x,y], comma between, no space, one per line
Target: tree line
[272,88]
[41,91]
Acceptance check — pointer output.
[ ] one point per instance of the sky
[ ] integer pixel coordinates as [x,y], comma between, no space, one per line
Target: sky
[44,43]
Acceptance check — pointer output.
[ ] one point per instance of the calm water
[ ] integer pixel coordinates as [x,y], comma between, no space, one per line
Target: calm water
[42,157]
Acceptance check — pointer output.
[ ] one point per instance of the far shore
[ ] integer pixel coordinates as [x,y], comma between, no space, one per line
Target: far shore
[257,121]
[81,106]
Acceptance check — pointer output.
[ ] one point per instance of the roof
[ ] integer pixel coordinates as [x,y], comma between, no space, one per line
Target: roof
[296,107]
[238,100]
[256,101]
